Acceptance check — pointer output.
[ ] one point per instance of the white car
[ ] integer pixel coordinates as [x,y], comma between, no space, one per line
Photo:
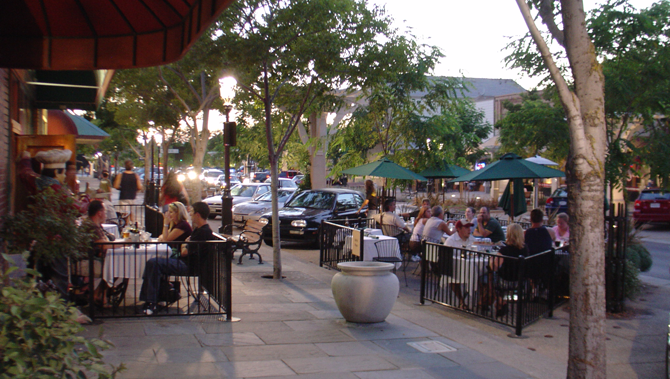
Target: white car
[241,192]
[210,176]
[221,181]
[283,183]
[254,209]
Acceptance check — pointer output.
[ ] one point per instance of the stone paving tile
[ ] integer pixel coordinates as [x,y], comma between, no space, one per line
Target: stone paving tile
[497,370]
[154,342]
[180,355]
[115,329]
[272,352]
[392,328]
[467,357]
[244,326]
[325,305]
[273,316]
[276,338]
[116,356]
[636,370]
[270,308]
[418,360]
[456,372]
[305,325]
[323,375]
[413,373]
[170,371]
[254,369]
[261,299]
[327,314]
[339,364]
[229,339]
[343,349]
[158,328]
[620,350]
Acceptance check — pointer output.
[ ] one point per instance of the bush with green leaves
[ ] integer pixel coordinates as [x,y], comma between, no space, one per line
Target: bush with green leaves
[48,228]
[639,256]
[38,336]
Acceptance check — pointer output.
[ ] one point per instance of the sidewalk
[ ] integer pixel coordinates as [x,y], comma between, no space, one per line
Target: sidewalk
[292,328]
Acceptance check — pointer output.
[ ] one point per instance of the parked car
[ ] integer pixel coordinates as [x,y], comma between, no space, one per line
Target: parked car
[653,205]
[254,209]
[259,177]
[283,183]
[240,192]
[221,181]
[210,176]
[289,174]
[298,179]
[301,217]
[558,201]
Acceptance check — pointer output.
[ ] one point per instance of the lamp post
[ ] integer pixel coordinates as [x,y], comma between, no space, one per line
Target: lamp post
[227,86]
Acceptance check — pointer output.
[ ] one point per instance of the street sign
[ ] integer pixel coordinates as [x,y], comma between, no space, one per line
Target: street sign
[173,151]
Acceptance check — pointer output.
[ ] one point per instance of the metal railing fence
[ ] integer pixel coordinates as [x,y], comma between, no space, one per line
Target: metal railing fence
[123,272]
[514,291]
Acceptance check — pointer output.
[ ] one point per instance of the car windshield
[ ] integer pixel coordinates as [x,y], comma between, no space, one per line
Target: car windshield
[312,199]
[654,195]
[243,190]
[283,195]
[560,192]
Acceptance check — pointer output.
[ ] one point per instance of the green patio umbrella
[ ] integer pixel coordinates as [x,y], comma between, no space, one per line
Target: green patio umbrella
[444,171]
[384,168]
[518,206]
[511,166]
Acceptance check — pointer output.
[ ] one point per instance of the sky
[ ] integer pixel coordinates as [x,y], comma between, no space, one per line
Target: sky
[470,33]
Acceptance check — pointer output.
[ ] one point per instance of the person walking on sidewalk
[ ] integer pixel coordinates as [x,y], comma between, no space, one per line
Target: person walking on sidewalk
[128,183]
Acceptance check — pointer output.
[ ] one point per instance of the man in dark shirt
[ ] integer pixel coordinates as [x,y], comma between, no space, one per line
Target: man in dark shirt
[537,237]
[187,263]
[488,227]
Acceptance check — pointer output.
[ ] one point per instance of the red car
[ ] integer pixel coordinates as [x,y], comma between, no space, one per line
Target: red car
[653,205]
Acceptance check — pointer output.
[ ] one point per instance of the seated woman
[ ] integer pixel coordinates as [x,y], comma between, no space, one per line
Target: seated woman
[514,247]
[562,229]
[176,226]
[417,232]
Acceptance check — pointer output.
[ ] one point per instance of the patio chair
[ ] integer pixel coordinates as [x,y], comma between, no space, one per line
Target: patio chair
[387,251]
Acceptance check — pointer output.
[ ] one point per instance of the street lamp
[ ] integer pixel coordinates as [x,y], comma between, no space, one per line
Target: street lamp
[227,86]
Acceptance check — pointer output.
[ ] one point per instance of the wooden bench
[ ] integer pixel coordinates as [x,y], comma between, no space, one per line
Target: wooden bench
[249,240]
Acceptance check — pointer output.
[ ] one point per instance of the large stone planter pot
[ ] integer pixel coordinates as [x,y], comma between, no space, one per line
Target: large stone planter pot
[365,291]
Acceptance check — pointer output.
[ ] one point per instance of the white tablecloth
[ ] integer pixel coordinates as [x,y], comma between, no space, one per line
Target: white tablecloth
[466,271]
[370,249]
[113,229]
[128,261]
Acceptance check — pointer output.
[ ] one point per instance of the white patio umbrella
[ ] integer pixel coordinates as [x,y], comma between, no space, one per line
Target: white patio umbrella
[542,161]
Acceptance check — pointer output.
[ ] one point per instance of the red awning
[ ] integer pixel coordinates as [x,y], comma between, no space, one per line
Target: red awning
[101,34]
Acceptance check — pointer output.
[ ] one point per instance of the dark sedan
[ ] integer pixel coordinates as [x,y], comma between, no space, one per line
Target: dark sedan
[300,219]
[558,201]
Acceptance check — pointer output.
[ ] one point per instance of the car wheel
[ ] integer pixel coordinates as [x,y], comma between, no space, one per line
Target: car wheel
[268,241]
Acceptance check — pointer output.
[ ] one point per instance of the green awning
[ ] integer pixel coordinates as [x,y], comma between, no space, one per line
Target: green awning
[87,131]
[384,168]
[444,171]
[511,166]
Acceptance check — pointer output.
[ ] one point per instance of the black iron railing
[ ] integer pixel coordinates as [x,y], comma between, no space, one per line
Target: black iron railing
[616,226]
[336,241]
[513,291]
[123,272]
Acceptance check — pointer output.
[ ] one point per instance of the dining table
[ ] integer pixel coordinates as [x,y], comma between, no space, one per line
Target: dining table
[128,260]
[370,248]
[112,229]
[467,268]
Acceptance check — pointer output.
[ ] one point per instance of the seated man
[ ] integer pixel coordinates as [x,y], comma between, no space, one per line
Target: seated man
[537,237]
[488,227]
[389,218]
[158,267]
[460,239]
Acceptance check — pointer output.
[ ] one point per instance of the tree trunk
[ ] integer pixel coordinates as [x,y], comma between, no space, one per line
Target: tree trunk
[585,176]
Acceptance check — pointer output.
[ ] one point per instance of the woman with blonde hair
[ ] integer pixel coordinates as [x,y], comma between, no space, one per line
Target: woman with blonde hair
[515,246]
[176,225]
